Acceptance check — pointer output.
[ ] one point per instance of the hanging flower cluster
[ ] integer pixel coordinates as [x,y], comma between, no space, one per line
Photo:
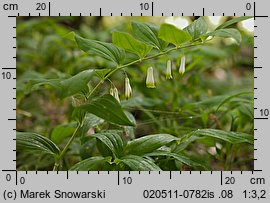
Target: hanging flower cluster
[114,93]
[150,79]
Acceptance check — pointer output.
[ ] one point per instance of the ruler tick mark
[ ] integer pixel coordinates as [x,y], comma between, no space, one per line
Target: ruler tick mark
[254,10]
[152,8]
[49,8]
[118,178]
[8,68]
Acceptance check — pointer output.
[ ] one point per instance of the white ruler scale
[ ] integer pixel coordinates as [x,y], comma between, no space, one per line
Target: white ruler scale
[124,186]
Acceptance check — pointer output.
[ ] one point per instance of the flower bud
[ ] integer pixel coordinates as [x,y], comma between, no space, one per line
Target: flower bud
[150,82]
[169,70]
[116,94]
[182,65]
[128,90]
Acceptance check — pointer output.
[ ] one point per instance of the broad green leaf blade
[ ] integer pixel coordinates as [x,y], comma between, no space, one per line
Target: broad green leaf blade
[215,101]
[231,97]
[60,132]
[109,109]
[37,83]
[227,33]
[113,141]
[174,35]
[102,72]
[35,142]
[228,136]
[90,121]
[90,164]
[148,143]
[181,158]
[140,101]
[130,130]
[105,50]
[76,83]
[197,28]
[148,33]
[233,21]
[70,36]
[69,86]
[137,163]
[130,44]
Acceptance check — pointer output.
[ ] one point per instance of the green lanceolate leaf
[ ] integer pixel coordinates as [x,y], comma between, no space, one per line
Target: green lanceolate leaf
[228,136]
[137,163]
[148,33]
[174,35]
[183,159]
[227,33]
[197,28]
[112,140]
[72,85]
[231,97]
[105,50]
[90,164]
[63,131]
[233,21]
[35,142]
[76,83]
[90,121]
[102,72]
[130,44]
[217,101]
[109,109]
[148,143]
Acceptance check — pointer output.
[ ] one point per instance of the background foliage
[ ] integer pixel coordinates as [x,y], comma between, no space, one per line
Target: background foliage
[201,120]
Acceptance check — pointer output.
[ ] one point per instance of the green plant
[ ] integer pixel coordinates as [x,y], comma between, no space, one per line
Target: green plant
[96,104]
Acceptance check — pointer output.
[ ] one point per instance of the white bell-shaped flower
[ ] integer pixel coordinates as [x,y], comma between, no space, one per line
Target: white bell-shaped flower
[150,81]
[111,91]
[116,94]
[128,90]
[182,65]
[169,70]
